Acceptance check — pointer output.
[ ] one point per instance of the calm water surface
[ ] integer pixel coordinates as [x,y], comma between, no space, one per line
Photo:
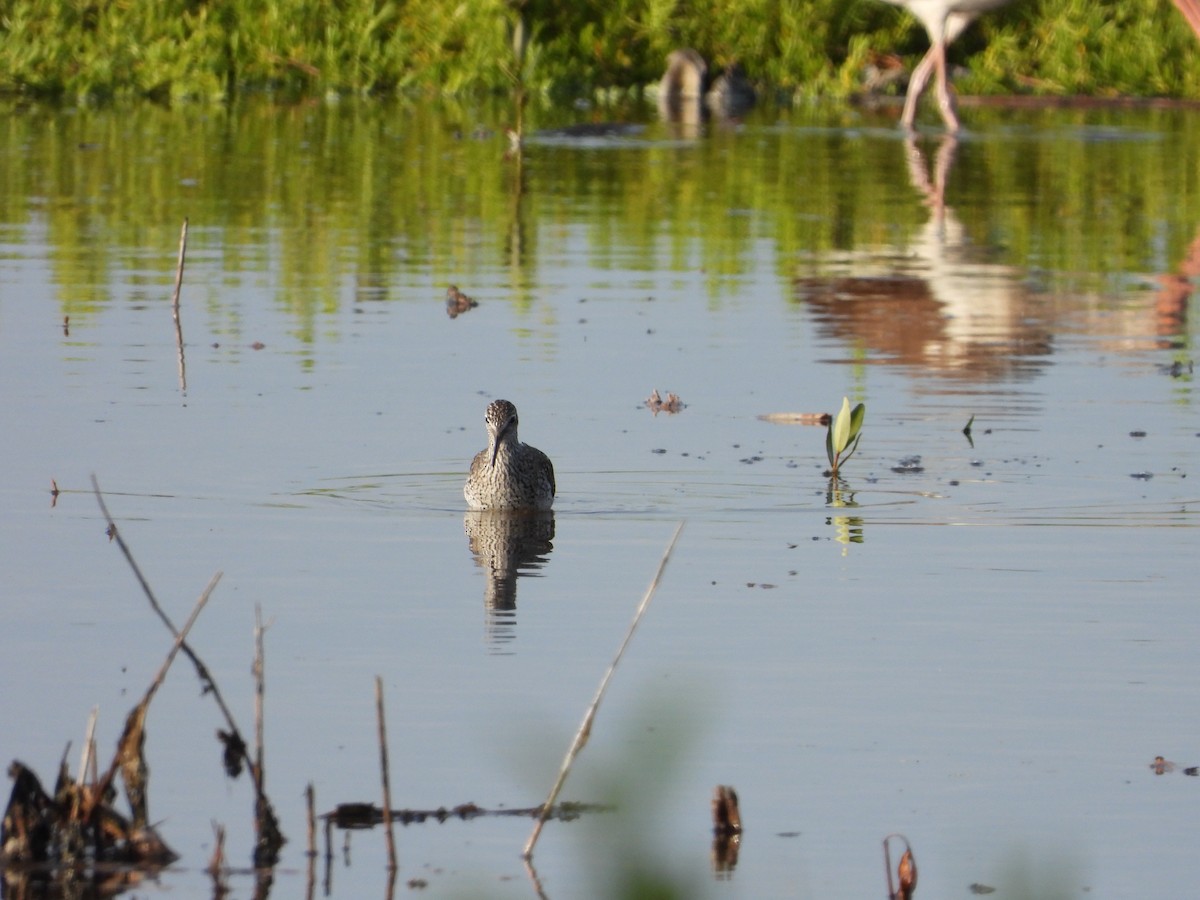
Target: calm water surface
[981,646]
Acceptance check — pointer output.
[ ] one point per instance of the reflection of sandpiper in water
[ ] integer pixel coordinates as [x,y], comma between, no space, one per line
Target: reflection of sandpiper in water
[507,544]
[508,474]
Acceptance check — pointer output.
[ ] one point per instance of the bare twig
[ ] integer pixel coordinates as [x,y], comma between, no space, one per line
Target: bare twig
[266,827]
[585,729]
[328,880]
[259,691]
[216,865]
[356,816]
[383,774]
[535,880]
[264,811]
[175,305]
[137,715]
[310,801]
[181,636]
[87,761]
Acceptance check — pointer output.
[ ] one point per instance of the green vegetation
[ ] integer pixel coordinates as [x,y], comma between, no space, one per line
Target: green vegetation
[843,435]
[176,49]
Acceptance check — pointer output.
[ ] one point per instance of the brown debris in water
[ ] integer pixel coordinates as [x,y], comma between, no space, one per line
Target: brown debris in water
[794,418]
[905,883]
[671,405]
[727,829]
[1161,766]
[357,816]
[77,826]
[457,302]
[76,838]
[235,752]
[906,874]
[77,835]
[727,818]
[134,771]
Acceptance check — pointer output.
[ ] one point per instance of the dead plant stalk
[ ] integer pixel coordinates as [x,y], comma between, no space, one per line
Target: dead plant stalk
[139,711]
[585,728]
[175,306]
[264,814]
[383,774]
[202,672]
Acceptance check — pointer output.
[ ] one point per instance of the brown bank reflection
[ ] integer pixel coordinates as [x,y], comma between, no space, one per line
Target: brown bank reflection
[507,545]
[938,302]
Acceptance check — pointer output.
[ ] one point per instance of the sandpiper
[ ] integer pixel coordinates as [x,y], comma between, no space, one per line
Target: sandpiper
[508,474]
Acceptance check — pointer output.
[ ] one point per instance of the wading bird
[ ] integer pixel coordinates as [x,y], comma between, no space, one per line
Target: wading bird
[508,474]
[945,20]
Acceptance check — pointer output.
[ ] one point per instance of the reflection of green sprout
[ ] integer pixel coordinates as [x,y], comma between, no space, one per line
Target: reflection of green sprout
[844,432]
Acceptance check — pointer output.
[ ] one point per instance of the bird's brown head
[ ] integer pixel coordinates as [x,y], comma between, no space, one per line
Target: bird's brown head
[501,420]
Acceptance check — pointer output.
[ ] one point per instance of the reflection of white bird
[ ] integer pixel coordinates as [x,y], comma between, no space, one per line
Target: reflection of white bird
[945,20]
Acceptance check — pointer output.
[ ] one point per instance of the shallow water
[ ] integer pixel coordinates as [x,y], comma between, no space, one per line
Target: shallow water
[983,649]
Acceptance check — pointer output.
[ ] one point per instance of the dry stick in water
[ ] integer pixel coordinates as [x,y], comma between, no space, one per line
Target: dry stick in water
[180,636]
[310,800]
[266,848]
[585,729]
[175,305]
[87,761]
[216,864]
[259,689]
[383,774]
[206,679]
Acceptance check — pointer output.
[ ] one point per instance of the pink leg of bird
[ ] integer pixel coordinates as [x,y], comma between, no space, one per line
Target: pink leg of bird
[916,87]
[954,25]
[945,96]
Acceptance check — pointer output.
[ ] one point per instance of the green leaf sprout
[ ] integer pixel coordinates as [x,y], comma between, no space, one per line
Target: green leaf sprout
[841,440]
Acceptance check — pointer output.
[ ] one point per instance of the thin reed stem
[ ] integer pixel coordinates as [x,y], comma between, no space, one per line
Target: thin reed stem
[585,729]
[383,774]
[175,306]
